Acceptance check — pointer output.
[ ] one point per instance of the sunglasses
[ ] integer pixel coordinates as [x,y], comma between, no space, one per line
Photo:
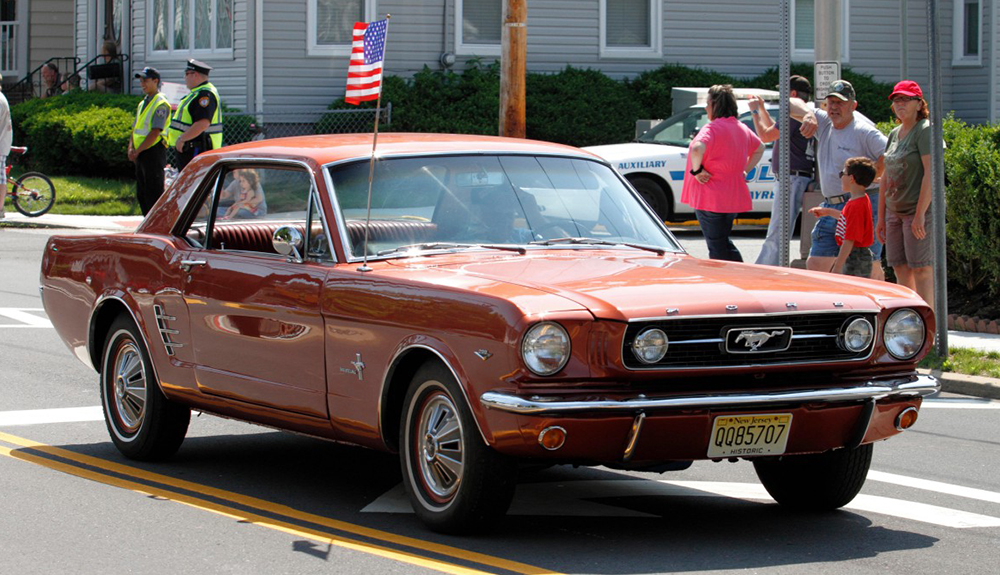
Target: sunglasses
[842,174]
[904,99]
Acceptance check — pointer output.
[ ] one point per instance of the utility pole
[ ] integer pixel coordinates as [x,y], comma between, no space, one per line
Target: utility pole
[934,96]
[826,33]
[513,60]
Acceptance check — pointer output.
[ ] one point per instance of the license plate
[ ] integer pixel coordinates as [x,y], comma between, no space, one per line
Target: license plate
[747,435]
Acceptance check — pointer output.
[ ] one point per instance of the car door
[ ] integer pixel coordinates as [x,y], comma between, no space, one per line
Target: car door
[255,322]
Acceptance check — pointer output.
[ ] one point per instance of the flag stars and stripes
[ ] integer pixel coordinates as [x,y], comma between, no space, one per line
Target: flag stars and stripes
[364,74]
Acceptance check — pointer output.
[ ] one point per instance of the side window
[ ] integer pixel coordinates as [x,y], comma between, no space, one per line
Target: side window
[247,204]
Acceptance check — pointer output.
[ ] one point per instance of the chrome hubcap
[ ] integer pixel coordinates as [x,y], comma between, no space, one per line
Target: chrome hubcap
[129,387]
[441,457]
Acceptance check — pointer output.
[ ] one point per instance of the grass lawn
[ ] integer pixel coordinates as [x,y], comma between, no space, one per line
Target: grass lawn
[93,196]
[966,361]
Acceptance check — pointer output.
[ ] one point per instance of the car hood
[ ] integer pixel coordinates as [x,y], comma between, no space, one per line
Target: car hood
[624,286]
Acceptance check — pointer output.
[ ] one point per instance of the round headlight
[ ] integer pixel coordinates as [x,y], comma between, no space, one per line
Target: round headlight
[904,334]
[650,346]
[545,348]
[858,334]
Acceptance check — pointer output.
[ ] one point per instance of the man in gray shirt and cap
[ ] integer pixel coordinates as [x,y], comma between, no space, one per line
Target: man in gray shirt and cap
[840,135]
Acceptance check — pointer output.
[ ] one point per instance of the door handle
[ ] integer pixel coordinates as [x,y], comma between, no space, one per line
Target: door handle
[186,265]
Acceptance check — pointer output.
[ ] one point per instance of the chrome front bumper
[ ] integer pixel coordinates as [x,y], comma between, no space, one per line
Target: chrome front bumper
[537,405]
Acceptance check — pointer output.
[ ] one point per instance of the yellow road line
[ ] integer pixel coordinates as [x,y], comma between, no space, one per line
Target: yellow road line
[262,505]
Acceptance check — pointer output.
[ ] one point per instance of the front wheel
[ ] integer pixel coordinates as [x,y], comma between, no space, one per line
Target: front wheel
[816,482]
[34,194]
[144,425]
[455,481]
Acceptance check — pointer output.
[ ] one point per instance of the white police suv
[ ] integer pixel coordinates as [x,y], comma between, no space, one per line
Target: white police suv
[655,162]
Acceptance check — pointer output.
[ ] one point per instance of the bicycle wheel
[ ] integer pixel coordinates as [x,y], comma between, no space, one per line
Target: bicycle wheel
[34,194]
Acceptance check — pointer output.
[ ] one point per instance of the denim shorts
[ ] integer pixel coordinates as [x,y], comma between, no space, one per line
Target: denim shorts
[824,240]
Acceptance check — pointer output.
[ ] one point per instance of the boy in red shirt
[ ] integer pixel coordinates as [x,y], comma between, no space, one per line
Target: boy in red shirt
[854,226]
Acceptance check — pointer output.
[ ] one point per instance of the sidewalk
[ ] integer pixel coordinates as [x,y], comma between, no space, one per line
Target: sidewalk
[950,382]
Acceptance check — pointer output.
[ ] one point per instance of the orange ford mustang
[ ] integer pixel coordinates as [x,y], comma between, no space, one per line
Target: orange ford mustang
[489,302]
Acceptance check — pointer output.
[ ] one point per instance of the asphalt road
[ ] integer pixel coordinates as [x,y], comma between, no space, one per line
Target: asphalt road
[241,498]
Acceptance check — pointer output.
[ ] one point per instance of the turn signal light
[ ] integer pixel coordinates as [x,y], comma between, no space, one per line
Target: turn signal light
[906,418]
[552,438]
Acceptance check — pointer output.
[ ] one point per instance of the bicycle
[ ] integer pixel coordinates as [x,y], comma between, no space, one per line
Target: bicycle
[33,193]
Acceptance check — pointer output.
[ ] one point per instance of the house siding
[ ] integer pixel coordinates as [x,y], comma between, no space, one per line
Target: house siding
[969,86]
[231,75]
[50,30]
[737,37]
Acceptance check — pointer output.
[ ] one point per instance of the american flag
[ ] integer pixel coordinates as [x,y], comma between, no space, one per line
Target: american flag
[364,74]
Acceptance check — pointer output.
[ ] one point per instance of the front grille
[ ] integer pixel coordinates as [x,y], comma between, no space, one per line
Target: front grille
[701,341]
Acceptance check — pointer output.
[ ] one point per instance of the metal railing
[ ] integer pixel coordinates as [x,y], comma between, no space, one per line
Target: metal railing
[241,127]
[33,85]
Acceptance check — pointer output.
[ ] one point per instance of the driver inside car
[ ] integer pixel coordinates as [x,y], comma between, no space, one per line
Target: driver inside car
[494,211]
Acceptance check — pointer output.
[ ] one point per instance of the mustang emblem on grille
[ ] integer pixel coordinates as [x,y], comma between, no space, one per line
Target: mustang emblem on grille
[755,339]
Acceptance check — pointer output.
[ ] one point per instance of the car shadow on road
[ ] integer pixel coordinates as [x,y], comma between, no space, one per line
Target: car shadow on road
[621,529]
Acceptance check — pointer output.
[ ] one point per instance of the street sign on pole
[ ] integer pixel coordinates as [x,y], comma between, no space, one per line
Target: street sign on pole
[826,73]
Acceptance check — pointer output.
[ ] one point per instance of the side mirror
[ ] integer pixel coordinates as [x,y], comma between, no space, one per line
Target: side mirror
[288,241]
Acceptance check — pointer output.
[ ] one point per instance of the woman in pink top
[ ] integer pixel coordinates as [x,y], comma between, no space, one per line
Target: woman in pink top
[719,157]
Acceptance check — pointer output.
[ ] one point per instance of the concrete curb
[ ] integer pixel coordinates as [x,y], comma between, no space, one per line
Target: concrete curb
[986,387]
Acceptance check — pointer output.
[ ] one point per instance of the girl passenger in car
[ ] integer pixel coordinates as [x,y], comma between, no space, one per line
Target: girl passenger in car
[246,195]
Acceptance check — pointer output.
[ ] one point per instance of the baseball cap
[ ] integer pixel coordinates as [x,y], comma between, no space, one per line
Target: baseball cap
[148,72]
[841,89]
[799,84]
[907,88]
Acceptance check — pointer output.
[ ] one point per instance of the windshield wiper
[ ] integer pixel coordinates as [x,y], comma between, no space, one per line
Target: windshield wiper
[598,242]
[451,246]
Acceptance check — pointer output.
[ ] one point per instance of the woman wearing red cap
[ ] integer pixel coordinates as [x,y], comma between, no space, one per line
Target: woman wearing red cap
[905,198]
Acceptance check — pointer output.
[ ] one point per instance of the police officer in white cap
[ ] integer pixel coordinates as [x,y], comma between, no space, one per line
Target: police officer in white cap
[197,123]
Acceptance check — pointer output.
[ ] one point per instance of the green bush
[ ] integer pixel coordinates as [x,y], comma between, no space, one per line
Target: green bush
[972,170]
[80,133]
[579,107]
[651,89]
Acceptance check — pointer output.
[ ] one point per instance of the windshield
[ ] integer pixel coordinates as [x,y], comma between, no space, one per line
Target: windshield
[456,202]
[678,130]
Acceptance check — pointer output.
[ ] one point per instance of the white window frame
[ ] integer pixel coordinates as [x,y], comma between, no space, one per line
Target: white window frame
[171,53]
[958,57]
[809,55]
[464,49]
[314,49]
[655,50]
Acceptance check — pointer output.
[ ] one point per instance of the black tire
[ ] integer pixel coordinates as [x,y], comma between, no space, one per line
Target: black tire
[143,424]
[816,482]
[654,195]
[35,194]
[459,485]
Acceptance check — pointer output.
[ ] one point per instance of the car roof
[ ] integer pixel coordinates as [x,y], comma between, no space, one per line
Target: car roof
[324,149]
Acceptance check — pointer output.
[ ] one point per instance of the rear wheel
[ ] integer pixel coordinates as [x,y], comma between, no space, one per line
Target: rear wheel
[456,483]
[35,194]
[816,482]
[144,424]
[654,195]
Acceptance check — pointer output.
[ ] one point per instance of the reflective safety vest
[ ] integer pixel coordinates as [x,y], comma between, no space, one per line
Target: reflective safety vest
[144,120]
[182,117]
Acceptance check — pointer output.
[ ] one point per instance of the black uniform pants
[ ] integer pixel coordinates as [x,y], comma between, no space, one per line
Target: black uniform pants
[149,176]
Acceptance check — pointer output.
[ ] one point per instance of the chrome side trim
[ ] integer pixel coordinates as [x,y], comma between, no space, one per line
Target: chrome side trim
[917,385]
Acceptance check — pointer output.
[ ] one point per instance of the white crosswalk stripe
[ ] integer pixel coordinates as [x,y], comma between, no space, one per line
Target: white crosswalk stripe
[23,318]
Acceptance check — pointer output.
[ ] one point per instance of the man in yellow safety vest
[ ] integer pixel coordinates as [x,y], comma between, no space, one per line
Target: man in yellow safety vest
[147,147]
[197,123]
